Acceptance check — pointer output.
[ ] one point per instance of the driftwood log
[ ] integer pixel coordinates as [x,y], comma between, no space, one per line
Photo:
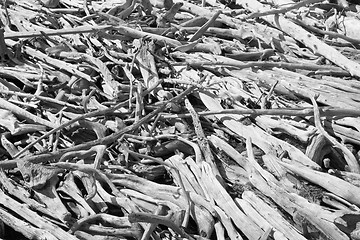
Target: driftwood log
[169,119]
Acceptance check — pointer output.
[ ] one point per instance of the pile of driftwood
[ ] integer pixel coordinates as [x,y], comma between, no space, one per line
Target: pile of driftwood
[167,119]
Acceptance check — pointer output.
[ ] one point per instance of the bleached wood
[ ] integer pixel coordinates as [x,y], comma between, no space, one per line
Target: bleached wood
[305,37]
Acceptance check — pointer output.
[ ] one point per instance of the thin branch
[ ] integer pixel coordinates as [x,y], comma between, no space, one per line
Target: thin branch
[52,32]
[101,141]
[325,111]
[281,10]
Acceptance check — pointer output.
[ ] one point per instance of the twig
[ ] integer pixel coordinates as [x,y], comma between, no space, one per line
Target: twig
[56,63]
[203,59]
[127,31]
[127,11]
[341,200]
[309,40]
[187,196]
[42,98]
[325,111]
[139,105]
[163,220]
[196,148]
[204,28]
[201,139]
[149,229]
[103,218]
[7,16]
[118,8]
[4,104]
[33,217]
[281,10]
[87,115]
[86,7]
[328,33]
[267,233]
[203,142]
[52,32]
[265,100]
[3,48]
[99,175]
[102,141]
[169,15]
